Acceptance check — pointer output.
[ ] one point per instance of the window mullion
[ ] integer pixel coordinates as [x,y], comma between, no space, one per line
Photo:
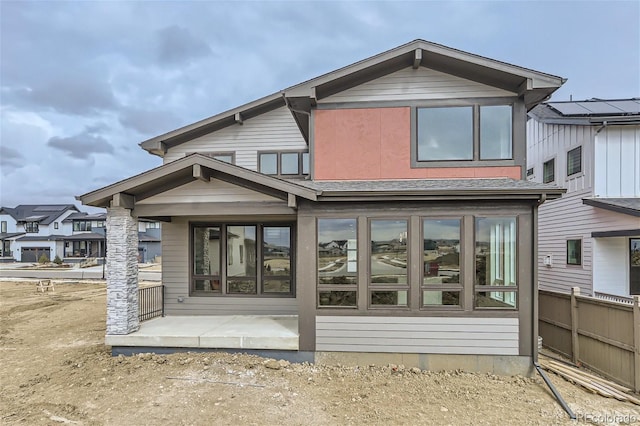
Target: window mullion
[476,132]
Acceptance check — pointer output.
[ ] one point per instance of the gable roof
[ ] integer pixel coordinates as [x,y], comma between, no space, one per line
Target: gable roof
[189,169]
[198,166]
[534,86]
[589,112]
[43,214]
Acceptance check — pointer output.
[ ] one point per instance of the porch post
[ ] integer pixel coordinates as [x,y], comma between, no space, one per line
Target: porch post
[122,271]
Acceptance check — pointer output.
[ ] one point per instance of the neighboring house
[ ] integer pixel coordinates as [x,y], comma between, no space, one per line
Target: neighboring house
[377,212]
[29,231]
[590,238]
[88,237]
[149,240]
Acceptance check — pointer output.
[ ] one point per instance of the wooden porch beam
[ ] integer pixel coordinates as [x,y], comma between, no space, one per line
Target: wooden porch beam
[238,118]
[201,173]
[292,201]
[417,58]
[123,200]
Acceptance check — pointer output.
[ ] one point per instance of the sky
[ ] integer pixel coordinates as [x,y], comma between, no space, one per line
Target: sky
[83,83]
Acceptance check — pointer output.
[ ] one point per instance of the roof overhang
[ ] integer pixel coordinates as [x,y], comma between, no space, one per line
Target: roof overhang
[533,86]
[188,169]
[628,206]
[618,233]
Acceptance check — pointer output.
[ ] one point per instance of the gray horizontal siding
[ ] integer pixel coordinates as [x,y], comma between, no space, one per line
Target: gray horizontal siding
[274,130]
[441,335]
[410,84]
[175,277]
[208,192]
[568,218]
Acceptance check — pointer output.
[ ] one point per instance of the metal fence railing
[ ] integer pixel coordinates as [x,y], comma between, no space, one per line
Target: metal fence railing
[150,302]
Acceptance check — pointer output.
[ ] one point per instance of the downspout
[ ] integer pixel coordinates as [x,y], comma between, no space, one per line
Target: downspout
[534,312]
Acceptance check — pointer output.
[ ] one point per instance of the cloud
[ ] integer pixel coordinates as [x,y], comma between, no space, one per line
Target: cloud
[81,95]
[83,144]
[177,46]
[148,122]
[10,157]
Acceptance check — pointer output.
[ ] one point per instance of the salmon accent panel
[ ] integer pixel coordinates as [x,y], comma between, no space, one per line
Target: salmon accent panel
[375,143]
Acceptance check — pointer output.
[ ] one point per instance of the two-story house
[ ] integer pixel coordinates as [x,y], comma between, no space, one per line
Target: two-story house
[590,238]
[29,231]
[377,212]
[87,237]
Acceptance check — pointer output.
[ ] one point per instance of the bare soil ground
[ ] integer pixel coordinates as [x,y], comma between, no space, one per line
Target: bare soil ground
[55,369]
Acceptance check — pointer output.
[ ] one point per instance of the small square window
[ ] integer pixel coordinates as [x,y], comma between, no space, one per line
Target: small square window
[548,171]
[574,252]
[574,161]
[269,163]
[289,163]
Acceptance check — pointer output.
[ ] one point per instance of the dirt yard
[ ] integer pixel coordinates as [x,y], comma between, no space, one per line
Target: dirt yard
[55,369]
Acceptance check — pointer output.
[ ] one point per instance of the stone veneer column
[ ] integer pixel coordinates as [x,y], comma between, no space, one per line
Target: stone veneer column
[122,271]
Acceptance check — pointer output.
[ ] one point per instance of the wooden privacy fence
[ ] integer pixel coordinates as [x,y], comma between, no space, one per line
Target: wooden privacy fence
[602,335]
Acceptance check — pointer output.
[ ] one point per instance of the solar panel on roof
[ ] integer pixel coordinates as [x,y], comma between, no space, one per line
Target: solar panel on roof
[49,208]
[600,107]
[569,108]
[628,106]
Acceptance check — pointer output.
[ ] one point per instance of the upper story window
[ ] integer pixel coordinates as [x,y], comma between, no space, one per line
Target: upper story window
[31,227]
[100,224]
[464,133]
[549,171]
[227,157]
[55,225]
[574,161]
[285,163]
[3,226]
[82,225]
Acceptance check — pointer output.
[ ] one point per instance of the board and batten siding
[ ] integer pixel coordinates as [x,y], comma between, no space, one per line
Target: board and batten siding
[208,192]
[568,218]
[436,335]
[546,141]
[272,131]
[416,84]
[617,168]
[175,277]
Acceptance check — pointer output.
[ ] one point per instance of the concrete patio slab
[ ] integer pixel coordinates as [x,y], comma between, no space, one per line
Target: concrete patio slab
[214,332]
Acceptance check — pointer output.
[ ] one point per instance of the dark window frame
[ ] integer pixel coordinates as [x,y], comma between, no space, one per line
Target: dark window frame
[79,224]
[551,161]
[31,227]
[260,293]
[372,287]
[496,288]
[530,171]
[578,261]
[459,287]
[279,153]
[338,287]
[574,172]
[476,161]
[3,226]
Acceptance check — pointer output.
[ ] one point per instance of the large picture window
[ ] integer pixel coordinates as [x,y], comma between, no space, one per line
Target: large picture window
[337,262]
[441,276]
[496,272]
[225,259]
[389,285]
[458,133]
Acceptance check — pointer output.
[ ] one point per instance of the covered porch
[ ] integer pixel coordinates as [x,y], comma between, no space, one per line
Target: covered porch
[247,332]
